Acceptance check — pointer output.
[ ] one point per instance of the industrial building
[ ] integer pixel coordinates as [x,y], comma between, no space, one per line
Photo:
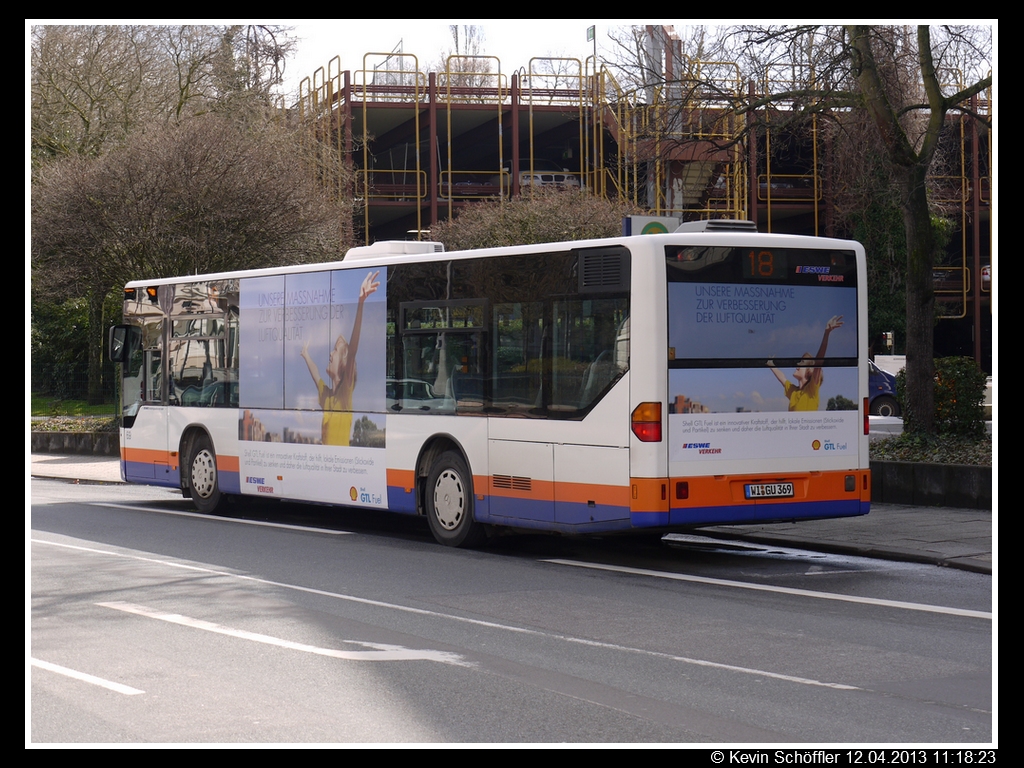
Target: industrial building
[412,145]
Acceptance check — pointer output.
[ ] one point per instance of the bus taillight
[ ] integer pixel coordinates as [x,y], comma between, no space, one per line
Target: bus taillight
[646,422]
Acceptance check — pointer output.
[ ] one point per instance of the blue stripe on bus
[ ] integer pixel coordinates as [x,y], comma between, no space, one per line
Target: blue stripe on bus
[582,518]
[150,474]
[603,526]
[400,500]
[229,482]
[164,476]
[565,515]
[760,513]
[529,513]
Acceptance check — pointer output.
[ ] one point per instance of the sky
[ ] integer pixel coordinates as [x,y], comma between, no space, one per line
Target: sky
[513,41]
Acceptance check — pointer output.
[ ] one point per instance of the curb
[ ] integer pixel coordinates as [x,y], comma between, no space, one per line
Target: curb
[897,554]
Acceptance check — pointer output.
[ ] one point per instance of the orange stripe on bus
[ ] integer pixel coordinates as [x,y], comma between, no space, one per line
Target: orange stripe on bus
[540,490]
[726,490]
[648,494]
[227,463]
[145,456]
[402,478]
[151,456]
[579,493]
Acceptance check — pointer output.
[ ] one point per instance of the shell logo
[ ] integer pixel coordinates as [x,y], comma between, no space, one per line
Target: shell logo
[816,445]
[353,493]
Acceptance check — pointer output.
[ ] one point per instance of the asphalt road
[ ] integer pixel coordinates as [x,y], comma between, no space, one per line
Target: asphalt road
[291,623]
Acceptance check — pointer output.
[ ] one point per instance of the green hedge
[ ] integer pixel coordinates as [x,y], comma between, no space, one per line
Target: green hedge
[959,396]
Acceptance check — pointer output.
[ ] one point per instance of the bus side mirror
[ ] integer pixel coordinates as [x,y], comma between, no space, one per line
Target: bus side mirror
[123,340]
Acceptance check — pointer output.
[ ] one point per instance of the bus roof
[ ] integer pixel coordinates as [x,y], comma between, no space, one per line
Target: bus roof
[385,252]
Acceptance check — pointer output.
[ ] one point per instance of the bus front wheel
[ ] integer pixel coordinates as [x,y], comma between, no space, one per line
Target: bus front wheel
[202,476]
[450,503]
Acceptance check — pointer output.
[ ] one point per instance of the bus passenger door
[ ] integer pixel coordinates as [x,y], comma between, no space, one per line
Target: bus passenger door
[144,436]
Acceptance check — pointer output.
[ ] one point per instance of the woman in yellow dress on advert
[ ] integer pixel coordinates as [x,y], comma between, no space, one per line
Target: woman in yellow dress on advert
[805,395]
[336,398]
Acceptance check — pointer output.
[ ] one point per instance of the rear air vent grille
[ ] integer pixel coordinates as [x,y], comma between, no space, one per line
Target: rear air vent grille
[509,482]
[603,270]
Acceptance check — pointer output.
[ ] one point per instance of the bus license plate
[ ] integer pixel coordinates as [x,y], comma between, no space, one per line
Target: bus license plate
[769,490]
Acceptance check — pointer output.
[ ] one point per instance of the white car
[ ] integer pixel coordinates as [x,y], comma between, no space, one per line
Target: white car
[544,174]
[414,394]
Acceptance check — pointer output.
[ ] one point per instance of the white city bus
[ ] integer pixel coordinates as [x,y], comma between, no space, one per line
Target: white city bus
[710,376]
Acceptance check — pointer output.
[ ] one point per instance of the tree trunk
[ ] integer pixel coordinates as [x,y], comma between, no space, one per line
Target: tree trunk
[920,394]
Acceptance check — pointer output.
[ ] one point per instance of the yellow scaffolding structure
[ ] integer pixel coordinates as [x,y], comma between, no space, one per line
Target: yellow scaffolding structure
[468,79]
[319,112]
[681,148]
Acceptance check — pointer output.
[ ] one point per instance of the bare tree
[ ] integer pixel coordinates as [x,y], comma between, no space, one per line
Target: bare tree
[647,59]
[90,86]
[93,85]
[123,187]
[189,70]
[464,67]
[467,39]
[544,216]
[203,196]
[867,209]
[261,52]
[901,81]
[910,128]
[250,64]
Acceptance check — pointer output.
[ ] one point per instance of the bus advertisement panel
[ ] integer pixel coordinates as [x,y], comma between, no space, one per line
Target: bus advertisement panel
[762,344]
[784,396]
[311,386]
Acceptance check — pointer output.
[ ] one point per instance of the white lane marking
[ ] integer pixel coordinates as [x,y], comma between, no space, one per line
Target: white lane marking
[782,590]
[127,690]
[466,620]
[221,519]
[775,551]
[381,652]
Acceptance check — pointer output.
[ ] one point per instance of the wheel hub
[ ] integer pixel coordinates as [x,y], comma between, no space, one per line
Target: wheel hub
[449,500]
[204,474]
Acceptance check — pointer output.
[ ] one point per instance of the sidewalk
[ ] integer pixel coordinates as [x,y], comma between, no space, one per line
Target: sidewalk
[949,536]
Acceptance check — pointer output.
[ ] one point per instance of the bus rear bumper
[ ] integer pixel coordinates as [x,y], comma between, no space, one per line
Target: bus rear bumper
[736,500]
[740,515]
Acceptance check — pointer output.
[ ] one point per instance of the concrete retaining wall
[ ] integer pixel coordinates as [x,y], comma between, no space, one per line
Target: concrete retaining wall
[934,485]
[95,443]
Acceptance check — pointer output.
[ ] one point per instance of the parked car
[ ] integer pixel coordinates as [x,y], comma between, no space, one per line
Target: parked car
[413,394]
[882,386]
[545,174]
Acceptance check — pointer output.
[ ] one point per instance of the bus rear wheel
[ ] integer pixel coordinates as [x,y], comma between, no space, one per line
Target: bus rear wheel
[449,502]
[204,486]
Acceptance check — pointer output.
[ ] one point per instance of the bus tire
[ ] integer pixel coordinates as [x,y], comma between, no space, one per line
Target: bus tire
[449,503]
[885,406]
[203,482]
